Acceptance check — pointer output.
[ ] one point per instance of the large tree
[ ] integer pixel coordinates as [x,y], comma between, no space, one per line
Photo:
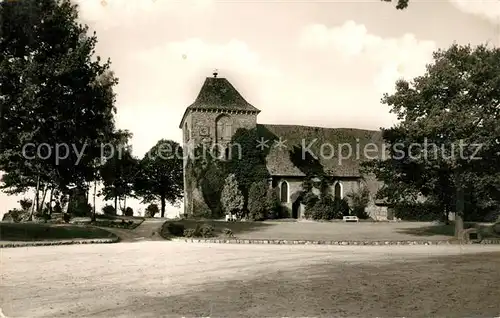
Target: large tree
[120,169]
[53,91]
[161,176]
[448,138]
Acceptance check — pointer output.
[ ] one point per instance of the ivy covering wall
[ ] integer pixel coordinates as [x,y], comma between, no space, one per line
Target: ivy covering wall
[207,172]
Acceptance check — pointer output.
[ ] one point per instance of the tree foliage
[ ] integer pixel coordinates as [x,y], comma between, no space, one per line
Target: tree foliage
[232,199]
[161,175]
[359,202]
[151,210]
[120,170]
[400,4]
[257,200]
[446,147]
[247,160]
[54,91]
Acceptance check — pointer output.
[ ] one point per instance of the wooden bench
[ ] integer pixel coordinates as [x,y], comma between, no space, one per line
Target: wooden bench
[350,218]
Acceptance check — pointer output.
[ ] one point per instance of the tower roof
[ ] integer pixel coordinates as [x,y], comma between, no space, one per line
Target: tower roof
[218,94]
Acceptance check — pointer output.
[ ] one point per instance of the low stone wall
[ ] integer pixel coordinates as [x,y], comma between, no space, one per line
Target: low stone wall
[7,244]
[377,213]
[307,242]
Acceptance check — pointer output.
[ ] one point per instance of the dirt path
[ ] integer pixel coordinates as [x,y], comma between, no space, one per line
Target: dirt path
[147,231]
[157,279]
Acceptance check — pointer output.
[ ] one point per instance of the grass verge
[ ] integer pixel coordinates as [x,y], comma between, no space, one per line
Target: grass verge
[122,222]
[49,232]
[219,226]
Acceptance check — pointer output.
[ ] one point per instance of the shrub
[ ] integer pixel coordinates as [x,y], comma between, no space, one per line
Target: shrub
[321,211]
[206,230]
[232,199]
[496,228]
[257,201]
[25,204]
[189,233]
[417,211]
[309,200]
[359,202]
[14,215]
[128,211]
[58,208]
[175,229]
[228,232]
[341,208]
[273,204]
[79,208]
[108,210]
[66,217]
[152,210]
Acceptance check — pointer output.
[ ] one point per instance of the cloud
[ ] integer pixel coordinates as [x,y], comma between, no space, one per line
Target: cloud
[403,57]
[487,9]
[112,13]
[165,79]
[195,57]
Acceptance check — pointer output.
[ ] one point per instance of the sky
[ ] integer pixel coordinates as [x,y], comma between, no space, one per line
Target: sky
[315,63]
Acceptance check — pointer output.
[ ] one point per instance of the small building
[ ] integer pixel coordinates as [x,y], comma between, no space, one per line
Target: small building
[292,152]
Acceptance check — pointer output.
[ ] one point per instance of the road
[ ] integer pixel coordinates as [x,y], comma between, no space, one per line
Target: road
[156,278]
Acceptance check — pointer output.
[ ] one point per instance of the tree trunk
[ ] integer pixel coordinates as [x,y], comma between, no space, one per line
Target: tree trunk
[93,203]
[122,207]
[88,191]
[116,205]
[459,211]
[162,199]
[35,199]
[45,188]
[51,199]
[1,114]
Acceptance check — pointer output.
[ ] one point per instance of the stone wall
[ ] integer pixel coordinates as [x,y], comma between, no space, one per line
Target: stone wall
[378,213]
[200,127]
[349,185]
[202,124]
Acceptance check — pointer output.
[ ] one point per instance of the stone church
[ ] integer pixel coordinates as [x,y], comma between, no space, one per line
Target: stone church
[291,151]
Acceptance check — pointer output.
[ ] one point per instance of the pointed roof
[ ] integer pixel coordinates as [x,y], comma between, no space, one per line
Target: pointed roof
[218,94]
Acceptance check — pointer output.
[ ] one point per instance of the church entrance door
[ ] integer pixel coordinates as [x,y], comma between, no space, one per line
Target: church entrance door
[296,208]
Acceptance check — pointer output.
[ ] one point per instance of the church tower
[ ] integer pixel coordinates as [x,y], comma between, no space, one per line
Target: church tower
[213,118]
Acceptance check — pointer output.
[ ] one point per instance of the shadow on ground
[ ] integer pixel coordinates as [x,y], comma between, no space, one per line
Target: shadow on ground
[457,286]
[219,226]
[44,232]
[447,230]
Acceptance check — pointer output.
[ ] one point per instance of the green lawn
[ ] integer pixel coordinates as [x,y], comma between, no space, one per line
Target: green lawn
[333,231]
[47,232]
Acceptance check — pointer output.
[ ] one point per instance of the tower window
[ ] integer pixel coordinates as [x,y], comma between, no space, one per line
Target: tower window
[284,192]
[224,128]
[338,190]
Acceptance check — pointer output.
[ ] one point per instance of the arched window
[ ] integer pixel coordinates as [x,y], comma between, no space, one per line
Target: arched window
[224,128]
[284,192]
[338,190]
[227,154]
